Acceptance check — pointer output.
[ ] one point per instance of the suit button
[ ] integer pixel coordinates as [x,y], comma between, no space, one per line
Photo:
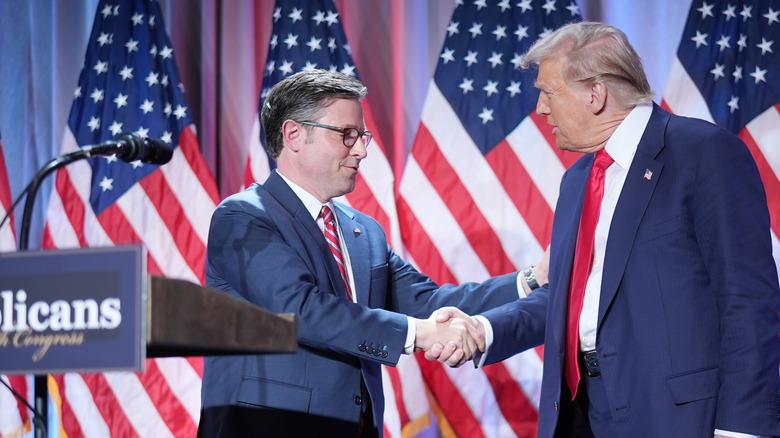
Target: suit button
[358,400]
[362,347]
[384,353]
[370,350]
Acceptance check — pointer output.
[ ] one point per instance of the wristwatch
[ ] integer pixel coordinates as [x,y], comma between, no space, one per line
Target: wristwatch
[530,278]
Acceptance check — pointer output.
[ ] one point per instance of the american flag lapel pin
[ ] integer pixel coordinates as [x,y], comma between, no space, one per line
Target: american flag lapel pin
[356,231]
[648,174]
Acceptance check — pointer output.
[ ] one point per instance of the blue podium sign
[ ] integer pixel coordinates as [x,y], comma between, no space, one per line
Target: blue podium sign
[80,310]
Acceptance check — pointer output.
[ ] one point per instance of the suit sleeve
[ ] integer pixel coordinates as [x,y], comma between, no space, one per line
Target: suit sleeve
[518,325]
[416,295]
[269,263]
[732,226]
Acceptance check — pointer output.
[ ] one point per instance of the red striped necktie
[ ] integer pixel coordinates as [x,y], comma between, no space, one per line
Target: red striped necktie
[332,236]
[583,257]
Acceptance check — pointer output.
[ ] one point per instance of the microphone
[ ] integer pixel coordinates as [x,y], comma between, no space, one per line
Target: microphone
[133,147]
[127,147]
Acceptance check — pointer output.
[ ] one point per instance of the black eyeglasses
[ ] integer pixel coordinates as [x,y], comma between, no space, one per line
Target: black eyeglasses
[351,135]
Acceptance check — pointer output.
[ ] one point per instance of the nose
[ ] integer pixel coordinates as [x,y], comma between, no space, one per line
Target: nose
[359,149]
[542,108]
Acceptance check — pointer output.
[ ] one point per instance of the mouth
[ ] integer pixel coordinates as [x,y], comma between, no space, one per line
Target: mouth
[353,167]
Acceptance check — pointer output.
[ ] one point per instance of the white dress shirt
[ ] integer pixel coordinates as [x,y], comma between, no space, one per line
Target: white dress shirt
[621,146]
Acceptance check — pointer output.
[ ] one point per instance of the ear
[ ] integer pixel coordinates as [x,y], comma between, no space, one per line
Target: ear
[598,97]
[292,134]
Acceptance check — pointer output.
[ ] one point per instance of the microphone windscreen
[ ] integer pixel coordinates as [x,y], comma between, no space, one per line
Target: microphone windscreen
[133,147]
[156,151]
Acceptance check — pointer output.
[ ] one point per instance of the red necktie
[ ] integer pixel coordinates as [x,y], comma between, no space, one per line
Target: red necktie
[332,236]
[583,256]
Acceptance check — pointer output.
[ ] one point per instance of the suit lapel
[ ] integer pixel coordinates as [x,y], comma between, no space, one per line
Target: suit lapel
[279,189]
[564,238]
[642,178]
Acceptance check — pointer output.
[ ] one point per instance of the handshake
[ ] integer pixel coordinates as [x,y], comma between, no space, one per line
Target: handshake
[449,336]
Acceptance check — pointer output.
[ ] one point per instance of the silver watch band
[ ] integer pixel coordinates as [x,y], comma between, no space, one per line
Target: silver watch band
[530,278]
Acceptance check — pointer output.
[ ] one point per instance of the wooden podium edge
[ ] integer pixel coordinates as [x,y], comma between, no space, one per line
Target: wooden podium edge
[187,319]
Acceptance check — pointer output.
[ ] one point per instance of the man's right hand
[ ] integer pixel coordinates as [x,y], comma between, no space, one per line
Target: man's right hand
[450,336]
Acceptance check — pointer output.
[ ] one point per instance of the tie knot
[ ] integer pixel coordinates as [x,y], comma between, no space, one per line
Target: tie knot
[602,160]
[326,213]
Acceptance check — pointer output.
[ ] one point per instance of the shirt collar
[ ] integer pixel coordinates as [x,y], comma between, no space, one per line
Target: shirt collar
[312,204]
[623,143]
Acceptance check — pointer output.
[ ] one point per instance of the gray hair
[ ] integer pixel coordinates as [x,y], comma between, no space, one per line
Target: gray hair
[596,52]
[302,97]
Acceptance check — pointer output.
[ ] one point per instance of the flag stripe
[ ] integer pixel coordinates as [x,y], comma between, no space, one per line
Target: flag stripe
[136,405]
[66,227]
[430,260]
[450,400]
[171,214]
[520,414]
[520,188]
[197,365]
[449,187]
[422,202]
[482,401]
[14,416]
[393,418]
[483,186]
[169,407]
[195,180]
[107,405]
[183,378]
[67,417]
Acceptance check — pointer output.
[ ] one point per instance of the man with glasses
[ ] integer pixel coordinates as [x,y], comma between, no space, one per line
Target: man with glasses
[286,246]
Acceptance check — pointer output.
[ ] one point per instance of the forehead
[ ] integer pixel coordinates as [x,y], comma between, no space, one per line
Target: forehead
[343,108]
[550,73]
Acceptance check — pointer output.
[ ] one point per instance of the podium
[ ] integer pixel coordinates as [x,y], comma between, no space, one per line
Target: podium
[186,319]
[97,309]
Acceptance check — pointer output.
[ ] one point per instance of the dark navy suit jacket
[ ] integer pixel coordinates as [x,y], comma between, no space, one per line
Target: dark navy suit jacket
[688,324]
[264,247]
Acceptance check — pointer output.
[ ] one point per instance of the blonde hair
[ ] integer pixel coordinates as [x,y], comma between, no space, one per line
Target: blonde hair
[596,52]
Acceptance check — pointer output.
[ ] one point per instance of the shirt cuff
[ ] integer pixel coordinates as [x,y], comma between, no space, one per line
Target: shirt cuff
[520,291]
[480,358]
[737,434]
[411,332]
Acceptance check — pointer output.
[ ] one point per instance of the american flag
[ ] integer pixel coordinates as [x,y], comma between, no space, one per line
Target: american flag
[15,418]
[14,415]
[130,84]
[727,71]
[477,194]
[309,34]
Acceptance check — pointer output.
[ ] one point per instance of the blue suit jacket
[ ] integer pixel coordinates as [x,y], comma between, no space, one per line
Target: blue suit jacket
[688,314]
[264,247]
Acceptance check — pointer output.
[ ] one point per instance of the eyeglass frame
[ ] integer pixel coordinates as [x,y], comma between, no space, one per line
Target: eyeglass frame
[343,132]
